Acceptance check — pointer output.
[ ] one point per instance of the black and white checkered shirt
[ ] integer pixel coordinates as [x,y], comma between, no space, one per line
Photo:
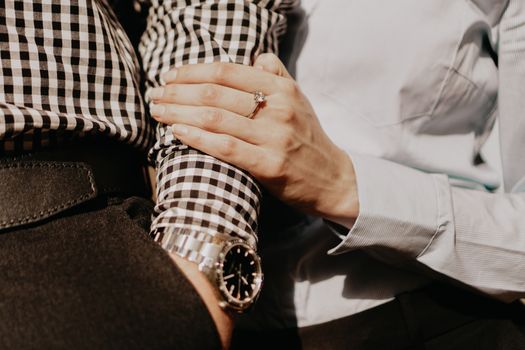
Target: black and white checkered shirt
[68,69]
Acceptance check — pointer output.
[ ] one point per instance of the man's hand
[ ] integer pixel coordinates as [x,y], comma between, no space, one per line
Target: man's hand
[223,320]
[283,146]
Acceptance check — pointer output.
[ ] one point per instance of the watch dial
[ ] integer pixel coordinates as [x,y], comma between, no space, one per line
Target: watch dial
[241,274]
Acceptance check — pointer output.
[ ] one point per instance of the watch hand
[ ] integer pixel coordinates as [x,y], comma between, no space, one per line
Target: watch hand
[239,283]
[239,288]
[244,280]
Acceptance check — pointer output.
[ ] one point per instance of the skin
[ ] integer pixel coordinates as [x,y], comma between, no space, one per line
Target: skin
[283,146]
[222,319]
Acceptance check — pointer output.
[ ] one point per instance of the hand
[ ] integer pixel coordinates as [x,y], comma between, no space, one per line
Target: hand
[222,319]
[283,146]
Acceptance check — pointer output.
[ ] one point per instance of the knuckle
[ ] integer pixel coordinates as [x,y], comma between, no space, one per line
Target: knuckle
[278,168]
[195,138]
[269,60]
[170,92]
[209,94]
[220,72]
[265,172]
[290,87]
[227,148]
[287,138]
[266,57]
[253,164]
[287,113]
[274,168]
[211,118]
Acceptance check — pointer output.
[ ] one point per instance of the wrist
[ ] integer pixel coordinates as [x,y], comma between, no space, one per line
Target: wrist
[225,270]
[222,319]
[344,204]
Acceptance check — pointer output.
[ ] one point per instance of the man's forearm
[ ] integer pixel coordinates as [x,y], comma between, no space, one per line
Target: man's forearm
[196,192]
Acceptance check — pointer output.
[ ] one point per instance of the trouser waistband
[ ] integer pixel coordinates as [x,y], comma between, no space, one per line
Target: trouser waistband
[38,185]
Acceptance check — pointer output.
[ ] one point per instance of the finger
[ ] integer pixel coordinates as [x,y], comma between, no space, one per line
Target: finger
[211,119]
[237,76]
[271,64]
[209,95]
[224,147]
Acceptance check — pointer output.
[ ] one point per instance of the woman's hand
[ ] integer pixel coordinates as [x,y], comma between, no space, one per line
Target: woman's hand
[283,146]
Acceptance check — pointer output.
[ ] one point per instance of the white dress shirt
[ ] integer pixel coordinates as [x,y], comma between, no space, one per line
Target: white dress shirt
[411,90]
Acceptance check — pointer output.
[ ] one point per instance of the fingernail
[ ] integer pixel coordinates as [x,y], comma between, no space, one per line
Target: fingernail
[179,130]
[170,76]
[157,110]
[156,93]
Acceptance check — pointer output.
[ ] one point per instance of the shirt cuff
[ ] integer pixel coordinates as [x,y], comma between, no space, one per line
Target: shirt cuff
[400,208]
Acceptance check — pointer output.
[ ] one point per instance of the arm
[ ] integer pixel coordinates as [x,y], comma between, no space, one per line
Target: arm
[472,236]
[196,191]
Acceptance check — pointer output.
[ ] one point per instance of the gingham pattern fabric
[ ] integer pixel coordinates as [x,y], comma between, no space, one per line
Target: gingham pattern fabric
[66,69]
[198,193]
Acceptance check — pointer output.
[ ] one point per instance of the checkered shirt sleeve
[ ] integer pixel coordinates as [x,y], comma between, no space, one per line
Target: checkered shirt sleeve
[196,192]
[67,69]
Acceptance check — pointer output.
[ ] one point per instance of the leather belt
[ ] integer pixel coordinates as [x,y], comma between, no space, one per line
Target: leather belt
[36,186]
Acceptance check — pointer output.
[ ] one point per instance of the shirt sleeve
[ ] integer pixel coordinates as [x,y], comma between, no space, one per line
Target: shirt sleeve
[196,192]
[472,236]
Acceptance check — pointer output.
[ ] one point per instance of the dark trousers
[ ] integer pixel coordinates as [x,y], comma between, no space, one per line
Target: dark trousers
[438,317]
[87,276]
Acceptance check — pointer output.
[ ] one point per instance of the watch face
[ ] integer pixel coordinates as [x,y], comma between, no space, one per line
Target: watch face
[240,277]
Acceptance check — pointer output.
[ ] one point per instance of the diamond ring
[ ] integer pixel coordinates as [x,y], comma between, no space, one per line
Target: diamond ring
[259,99]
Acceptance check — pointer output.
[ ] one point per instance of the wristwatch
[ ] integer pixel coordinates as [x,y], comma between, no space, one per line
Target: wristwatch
[231,264]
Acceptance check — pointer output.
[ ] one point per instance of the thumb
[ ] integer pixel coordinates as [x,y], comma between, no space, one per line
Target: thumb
[270,63]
